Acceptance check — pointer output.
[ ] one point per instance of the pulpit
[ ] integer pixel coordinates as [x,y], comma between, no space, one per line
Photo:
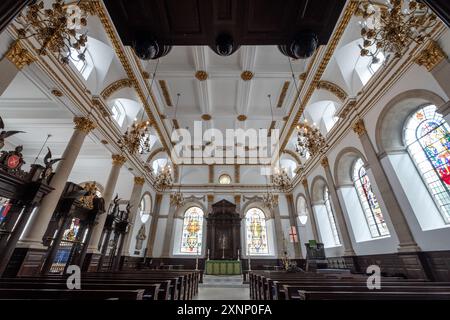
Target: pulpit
[224,226]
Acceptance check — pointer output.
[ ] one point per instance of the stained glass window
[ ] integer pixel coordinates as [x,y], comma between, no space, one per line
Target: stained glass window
[256,232]
[427,136]
[191,239]
[5,206]
[334,231]
[369,203]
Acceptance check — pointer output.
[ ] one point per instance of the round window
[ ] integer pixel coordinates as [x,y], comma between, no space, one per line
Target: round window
[224,179]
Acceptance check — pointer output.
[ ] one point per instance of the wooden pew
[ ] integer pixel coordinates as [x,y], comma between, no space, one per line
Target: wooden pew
[345,295]
[58,294]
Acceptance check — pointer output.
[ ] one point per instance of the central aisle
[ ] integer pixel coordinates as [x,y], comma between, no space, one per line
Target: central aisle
[223,288]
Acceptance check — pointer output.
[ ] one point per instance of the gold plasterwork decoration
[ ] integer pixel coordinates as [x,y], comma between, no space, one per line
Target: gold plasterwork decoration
[84,124]
[57,93]
[283,94]
[359,127]
[242,117]
[305,183]
[431,56]
[303,76]
[324,162]
[247,75]
[19,56]
[333,88]
[118,159]
[347,108]
[139,181]
[165,92]
[201,75]
[98,104]
[206,117]
[116,86]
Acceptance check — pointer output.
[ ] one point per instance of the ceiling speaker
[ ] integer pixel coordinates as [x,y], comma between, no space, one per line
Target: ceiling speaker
[147,48]
[225,45]
[302,47]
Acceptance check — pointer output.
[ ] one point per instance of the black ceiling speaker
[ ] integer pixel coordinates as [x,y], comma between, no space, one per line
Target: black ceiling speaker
[147,48]
[225,45]
[302,47]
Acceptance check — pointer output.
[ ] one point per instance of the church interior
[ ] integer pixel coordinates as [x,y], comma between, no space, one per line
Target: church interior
[224,150]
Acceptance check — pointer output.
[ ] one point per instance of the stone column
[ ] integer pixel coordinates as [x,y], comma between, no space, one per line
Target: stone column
[237,173]
[135,200]
[169,231]
[346,240]
[279,234]
[404,234]
[293,219]
[210,199]
[117,163]
[237,201]
[312,217]
[435,60]
[154,225]
[210,174]
[41,219]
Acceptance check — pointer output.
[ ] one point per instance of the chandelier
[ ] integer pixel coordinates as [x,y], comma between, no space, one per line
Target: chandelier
[177,198]
[163,179]
[390,28]
[270,200]
[309,140]
[136,138]
[56,29]
[281,179]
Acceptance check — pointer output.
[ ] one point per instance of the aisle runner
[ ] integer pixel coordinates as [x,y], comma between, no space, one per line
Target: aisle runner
[222,281]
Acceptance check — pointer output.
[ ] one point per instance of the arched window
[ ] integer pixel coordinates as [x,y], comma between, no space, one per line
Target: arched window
[118,112]
[191,238]
[145,208]
[302,210]
[427,136]
[256,232]
[334,231]
[369,203]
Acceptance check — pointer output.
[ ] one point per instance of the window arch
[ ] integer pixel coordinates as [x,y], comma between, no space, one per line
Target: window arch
[118,112]
[368,200]
[145,207]
[256,232]
[332,220]
[427,136]
[302,210]
[192,233]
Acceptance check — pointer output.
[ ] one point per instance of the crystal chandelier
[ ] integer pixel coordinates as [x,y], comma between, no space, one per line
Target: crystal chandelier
[390,28]
[56,29]
[281,179]
[163,179]
[309,140]
[177,198]
[136,138]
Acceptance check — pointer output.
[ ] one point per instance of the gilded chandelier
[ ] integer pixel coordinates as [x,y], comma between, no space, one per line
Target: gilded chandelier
[57,29]
[281,179]
[137,138]
[163,179]
[389,28]
[309,140]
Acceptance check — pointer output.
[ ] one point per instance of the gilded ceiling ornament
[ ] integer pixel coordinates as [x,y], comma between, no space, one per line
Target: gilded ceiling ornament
[98,104]
[242,117]
[247,75]
[431,56]
[84,124]
[145,75]
[116,86]
[57,93]
[283,94]
[201,75]
[118,159]
[206,117]
[302,76]
[139,181]
[19,56]
[359,127]
[333,88]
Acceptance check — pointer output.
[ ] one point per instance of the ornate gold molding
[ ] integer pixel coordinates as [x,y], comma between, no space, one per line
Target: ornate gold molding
[118,160]
[333,88]
[283,94]
[19,56]
[201,75]
[303,76]
[57,93]
[431,56]
[165,92]
[242,117]
[84,124]
[347,108]
[237,199]
[206,117]
[98,103]
[140,181]
[210,198]
[247,75]
[359,127]
[324,162]
[116,86]
[305,183]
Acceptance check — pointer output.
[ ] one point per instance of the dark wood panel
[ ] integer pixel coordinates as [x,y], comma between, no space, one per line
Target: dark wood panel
[441,8]
[9,9]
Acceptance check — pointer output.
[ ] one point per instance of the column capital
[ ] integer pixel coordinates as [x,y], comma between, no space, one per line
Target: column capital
[289,197]
[118,159]
[237,199]
[139,181]
[19,56]
[83,124]
[305,183]
[359,127]
[324,162]
[431,56]
[210,197]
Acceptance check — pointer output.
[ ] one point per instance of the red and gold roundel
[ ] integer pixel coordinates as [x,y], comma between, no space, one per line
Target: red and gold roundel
[13,161]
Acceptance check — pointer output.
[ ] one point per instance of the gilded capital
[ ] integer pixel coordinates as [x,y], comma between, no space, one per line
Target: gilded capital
[139,181]
[19,56]
[210,197]
[118,159]
[83,124]
[237,199]
[359,127]
[431,56]
[324,162]
[305,183]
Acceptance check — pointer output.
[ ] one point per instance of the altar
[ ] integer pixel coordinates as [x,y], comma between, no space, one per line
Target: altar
[223,267]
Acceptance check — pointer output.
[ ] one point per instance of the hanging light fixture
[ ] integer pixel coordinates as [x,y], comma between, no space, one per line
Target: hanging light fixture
[390,28]
[56,28]
[163,179]
[177,198]
[269,199]
[309,140]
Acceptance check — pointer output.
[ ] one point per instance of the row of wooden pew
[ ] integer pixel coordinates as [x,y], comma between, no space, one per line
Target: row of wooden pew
[123,285]
[280,285]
